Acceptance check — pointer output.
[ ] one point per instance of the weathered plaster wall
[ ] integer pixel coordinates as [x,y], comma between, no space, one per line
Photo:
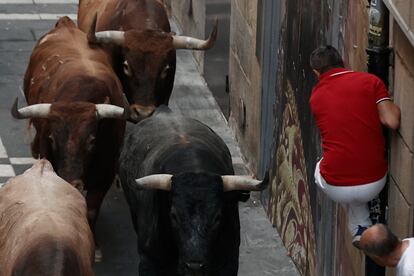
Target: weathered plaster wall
[245,79]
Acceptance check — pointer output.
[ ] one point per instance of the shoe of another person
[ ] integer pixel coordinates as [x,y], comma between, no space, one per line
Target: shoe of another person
[357,236]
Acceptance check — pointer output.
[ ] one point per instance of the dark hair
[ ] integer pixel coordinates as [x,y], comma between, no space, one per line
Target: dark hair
[384,245]
[325,58]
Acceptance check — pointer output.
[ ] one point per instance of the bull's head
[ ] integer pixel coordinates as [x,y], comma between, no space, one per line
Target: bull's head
[148,65]
[71,133]
[198,212]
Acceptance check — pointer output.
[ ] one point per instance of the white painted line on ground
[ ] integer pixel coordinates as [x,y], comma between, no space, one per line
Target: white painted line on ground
[54,16]
[32,16]
[22,160]
[60,2]
[16,1]
[3,153]
[6,171]
[19,16]
[56,1]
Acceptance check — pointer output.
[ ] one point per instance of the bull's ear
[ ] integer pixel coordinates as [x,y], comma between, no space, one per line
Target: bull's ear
[244,183]
[155,181]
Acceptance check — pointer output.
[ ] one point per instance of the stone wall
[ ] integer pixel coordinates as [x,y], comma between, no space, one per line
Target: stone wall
[245,79]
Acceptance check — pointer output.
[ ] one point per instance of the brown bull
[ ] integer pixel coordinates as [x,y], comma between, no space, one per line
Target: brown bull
[142,47]
[43,226]
[75,102]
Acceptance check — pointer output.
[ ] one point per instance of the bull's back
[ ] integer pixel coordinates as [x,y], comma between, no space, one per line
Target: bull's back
[164,135]
[49,257]
[42,215]
[122,14]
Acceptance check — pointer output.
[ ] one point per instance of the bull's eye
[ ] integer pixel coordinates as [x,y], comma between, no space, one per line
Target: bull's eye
[164,72]
[216,220]
[127,70]
[91,143]
[52,141]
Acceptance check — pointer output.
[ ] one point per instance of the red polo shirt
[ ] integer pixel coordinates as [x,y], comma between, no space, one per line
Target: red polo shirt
[344,104]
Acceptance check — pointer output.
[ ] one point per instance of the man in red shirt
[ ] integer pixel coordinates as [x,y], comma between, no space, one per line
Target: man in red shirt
[350,109]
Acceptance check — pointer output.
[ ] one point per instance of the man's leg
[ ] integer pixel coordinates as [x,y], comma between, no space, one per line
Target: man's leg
[358,215]
[354,199]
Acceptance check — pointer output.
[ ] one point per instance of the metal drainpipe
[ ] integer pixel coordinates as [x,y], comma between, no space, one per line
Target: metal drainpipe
[378,64]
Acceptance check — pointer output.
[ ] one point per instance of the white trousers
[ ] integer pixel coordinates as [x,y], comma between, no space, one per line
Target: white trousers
[354,199]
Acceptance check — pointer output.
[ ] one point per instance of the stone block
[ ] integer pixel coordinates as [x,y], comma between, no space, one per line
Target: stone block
[242,41]
[411,23]
[403,48]
[248,9]
[401,167]
[239,83]
[399,212]
[240,86]
[245,77]
[404,98]
[403,8]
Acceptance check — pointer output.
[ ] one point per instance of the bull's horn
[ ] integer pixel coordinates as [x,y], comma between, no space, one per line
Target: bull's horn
[116,37]
[155,181]
[244,183]
[186,42]
[111,111]
[31,111]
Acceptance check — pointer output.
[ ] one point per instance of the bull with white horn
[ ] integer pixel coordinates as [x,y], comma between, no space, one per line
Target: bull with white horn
[178,178]
[76,104]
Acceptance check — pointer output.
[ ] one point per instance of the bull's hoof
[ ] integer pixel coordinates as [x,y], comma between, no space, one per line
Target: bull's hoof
[98,255]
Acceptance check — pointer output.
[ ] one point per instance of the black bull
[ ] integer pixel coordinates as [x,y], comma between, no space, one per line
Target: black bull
[184,204]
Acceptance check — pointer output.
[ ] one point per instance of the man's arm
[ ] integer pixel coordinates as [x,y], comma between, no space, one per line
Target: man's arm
[389,114]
